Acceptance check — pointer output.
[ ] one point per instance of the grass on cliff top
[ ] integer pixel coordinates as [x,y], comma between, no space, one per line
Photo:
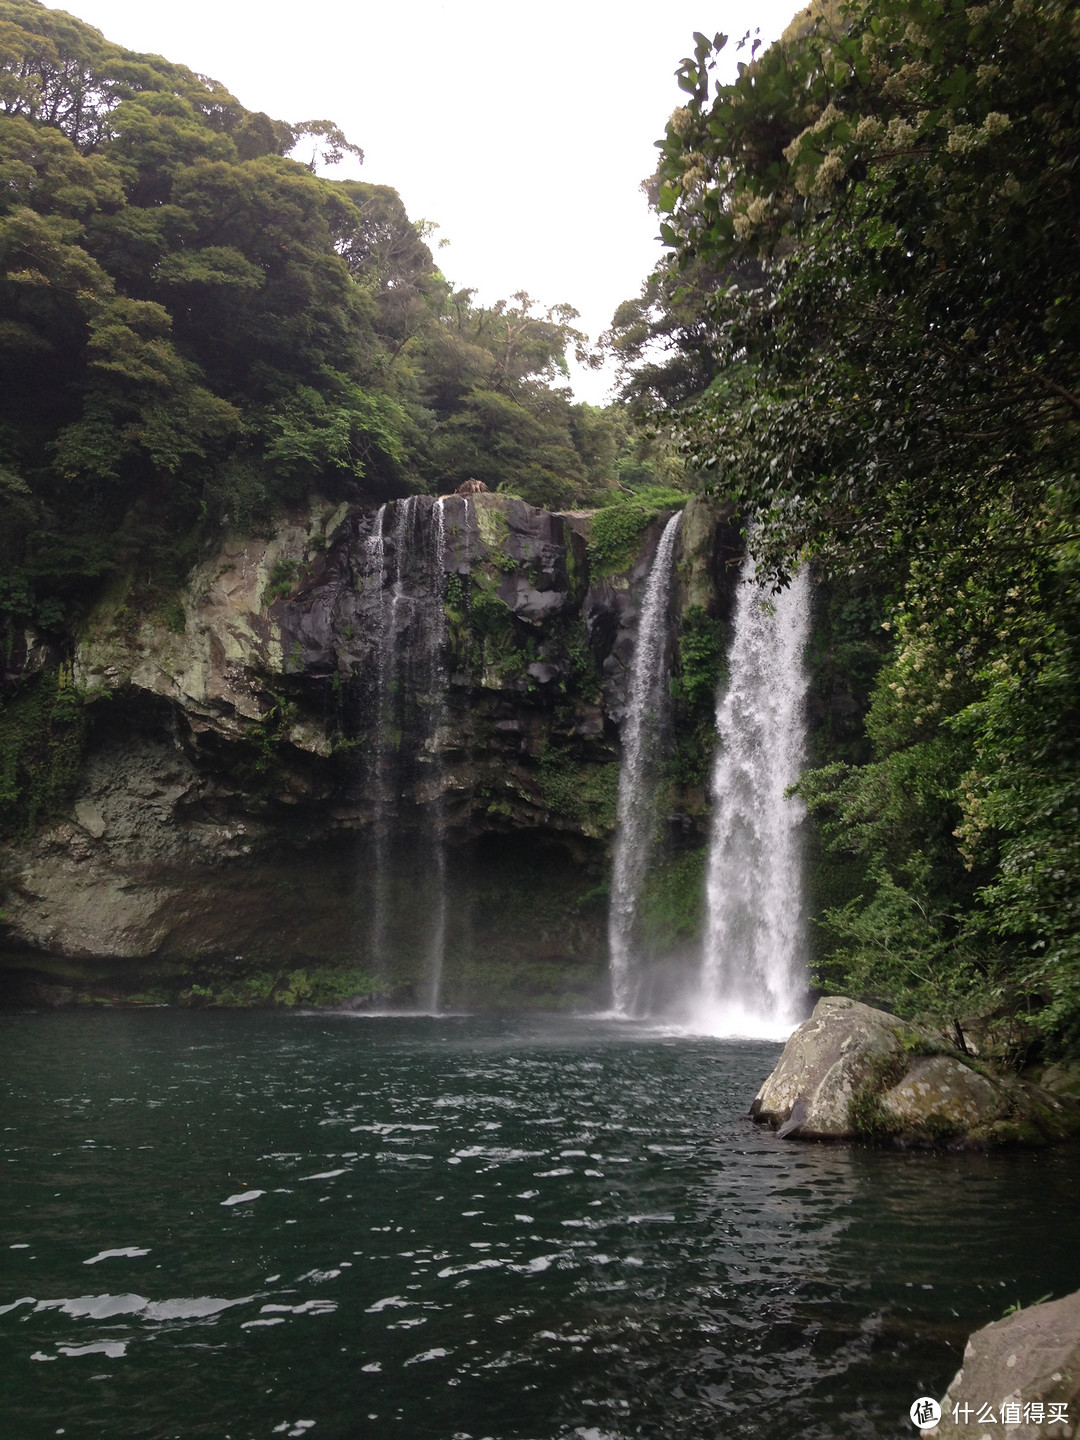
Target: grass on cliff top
[615,531]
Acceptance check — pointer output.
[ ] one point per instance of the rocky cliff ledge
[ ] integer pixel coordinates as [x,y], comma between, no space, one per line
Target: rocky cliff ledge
[330,701]
[851,1072]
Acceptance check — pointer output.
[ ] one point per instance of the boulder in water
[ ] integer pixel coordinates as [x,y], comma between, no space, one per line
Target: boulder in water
[1024,1371]
[851,1072]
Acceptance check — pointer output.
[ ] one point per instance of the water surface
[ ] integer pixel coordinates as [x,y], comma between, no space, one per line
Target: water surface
[243,1225]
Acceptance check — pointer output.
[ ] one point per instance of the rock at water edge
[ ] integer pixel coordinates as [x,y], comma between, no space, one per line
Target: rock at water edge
[1026,1369]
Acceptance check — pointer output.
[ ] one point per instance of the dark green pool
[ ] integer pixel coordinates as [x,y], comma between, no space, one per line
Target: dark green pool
[334,1227]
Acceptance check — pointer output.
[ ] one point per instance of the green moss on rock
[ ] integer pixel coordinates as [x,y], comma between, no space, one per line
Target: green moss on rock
[580,791]
[673,901]
[42,736]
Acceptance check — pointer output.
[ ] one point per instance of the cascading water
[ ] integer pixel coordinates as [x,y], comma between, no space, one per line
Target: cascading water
[408,700]
[438,681]
[753,970]
[639,774]
[379,779]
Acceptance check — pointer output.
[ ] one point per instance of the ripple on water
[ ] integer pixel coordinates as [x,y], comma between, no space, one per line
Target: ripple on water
[638,1260]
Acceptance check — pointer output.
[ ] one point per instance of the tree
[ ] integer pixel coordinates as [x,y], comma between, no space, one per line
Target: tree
[195,328]
[905,175]
[900,392]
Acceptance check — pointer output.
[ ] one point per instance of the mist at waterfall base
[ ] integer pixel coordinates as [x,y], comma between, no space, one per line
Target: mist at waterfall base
[750,981]
[251,1224]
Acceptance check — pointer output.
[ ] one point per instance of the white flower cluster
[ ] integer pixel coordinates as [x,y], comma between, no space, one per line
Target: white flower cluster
[966,138]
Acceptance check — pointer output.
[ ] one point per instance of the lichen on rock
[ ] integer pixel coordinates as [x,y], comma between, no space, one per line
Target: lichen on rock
[1020,1375]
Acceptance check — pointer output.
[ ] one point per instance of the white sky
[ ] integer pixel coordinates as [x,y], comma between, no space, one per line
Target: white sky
[524,132]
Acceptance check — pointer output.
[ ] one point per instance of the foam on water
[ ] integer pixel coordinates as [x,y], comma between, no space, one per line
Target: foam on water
[735,1022]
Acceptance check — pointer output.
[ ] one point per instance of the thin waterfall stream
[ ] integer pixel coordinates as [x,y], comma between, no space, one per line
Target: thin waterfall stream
[753,968]
[378,778]
[409,704]
[639,774]
[438,681]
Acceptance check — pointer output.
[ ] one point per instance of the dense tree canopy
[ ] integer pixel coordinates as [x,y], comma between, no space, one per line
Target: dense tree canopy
[898,390]
[195,328]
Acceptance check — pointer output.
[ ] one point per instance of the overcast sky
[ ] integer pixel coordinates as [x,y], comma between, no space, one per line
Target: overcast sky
[523,132]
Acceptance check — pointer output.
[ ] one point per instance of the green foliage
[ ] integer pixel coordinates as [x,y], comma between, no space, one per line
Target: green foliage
[281,579]
[42,731]
[691,761]
[569,637]
[584,793]
[615,531]
[847,649]
[270,731]
[701,661]
[870,321]
[700,670]
[170,613]
[196,329]
[877,173]
[455,597]
[965,825]
[1017,1305]
[493,639]
[307,985]
[337,428]
[672,902]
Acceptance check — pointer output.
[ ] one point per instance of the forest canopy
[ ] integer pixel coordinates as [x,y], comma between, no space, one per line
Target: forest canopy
[196,328]
[864,333]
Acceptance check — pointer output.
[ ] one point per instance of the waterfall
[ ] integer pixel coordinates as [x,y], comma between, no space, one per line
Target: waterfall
[379,780]
[639,773]
[408,702]
[753,970]
[438,682]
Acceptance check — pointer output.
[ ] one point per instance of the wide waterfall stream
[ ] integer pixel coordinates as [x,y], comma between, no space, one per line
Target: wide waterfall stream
[241,1225]
[753,977]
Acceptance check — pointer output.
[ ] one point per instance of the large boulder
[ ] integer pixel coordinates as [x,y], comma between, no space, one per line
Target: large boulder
[1021,1375]
[827,1060]
[852,1072]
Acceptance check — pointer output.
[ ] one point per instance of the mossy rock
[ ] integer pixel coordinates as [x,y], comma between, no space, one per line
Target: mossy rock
[851,1072]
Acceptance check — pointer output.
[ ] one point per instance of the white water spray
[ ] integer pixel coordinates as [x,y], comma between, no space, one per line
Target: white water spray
[639,773]
[753,969]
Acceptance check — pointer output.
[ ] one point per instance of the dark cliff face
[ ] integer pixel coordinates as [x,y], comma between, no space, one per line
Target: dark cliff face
[363,698]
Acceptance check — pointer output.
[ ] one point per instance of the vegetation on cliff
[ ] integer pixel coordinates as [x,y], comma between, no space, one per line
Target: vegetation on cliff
[870,306]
